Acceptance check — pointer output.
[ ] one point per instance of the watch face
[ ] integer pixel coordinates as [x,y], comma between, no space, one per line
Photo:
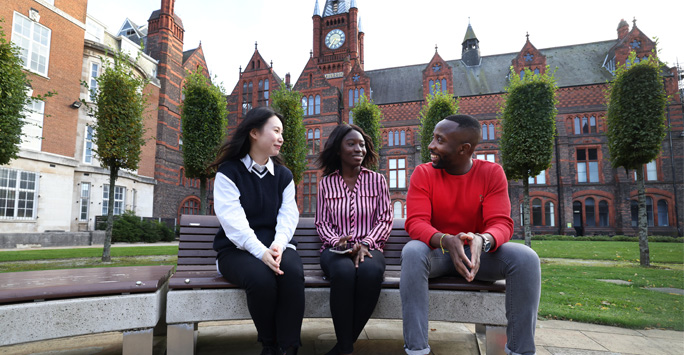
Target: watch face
[334,39]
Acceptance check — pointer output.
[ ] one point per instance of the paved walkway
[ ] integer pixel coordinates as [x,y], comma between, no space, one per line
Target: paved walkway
[385,337]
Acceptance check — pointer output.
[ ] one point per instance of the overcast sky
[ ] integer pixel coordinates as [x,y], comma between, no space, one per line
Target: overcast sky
[398,32]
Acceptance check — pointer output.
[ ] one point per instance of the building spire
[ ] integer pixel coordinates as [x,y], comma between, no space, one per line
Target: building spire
[360,26]
[353,4]
[317,12]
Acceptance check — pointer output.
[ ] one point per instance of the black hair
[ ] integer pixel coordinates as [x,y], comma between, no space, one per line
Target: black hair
[470,123]
[237,146]
[329,159]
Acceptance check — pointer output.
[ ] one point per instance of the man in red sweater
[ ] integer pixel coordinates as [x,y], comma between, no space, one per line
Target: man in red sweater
[458,215]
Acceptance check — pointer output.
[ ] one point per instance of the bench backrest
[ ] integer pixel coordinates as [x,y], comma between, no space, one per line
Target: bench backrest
[197,233]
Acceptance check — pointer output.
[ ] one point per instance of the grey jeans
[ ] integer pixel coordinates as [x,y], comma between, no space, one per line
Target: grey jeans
[516,263]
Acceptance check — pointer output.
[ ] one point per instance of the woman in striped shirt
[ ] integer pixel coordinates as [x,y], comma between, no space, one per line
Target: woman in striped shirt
[353,212]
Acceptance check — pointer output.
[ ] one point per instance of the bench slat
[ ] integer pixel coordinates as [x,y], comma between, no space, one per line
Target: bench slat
[73,283]
[196,258]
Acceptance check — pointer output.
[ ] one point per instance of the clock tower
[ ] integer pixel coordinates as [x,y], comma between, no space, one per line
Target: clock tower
[337,40]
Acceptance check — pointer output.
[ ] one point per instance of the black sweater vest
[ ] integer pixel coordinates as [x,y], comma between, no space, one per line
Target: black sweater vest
[260,198]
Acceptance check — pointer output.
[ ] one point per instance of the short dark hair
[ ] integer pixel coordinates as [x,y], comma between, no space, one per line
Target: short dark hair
[329,159]
[470,123]
[238,145]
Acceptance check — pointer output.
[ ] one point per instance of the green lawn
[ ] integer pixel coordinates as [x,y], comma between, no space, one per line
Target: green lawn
[672,253]
[574,292]
[43,254]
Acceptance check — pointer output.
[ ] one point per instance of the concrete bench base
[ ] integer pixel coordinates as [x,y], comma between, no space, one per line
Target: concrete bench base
[134,314]
[185,308]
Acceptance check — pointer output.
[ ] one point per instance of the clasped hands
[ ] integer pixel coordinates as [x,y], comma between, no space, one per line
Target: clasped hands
[272,258]
[359,251]
[455,245]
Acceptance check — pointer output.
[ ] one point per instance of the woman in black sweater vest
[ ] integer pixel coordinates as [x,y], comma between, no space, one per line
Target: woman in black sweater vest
[254,199]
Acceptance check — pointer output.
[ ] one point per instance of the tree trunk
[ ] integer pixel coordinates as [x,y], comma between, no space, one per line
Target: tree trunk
[203,196]
[106,257]
[526,212]
[643,219]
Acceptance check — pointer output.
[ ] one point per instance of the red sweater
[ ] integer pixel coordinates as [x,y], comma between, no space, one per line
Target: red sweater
[473,202]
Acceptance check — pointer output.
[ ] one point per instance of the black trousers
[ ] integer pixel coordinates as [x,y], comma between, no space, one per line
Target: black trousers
[353,293]
[275,302]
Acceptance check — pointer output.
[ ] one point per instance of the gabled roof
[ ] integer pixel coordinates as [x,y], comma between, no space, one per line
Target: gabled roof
[577,65]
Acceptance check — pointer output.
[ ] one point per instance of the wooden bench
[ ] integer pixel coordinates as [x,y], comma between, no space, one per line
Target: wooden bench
[41,305]
[198,293]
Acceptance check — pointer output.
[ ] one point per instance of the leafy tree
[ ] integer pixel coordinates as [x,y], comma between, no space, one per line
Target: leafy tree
[528,125]
[203,122]
[14,95]
[636,127]
[367,115]
[288,103]
[118,109]
[439,105]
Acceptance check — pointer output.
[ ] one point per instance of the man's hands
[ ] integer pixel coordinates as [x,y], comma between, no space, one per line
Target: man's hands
[455,245]
[272,258]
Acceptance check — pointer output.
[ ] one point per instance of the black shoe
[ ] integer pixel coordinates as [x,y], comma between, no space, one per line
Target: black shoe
[269,350]
[333,351]
[290,351]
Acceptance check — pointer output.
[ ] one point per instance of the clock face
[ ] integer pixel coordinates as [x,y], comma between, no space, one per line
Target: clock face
[334,39]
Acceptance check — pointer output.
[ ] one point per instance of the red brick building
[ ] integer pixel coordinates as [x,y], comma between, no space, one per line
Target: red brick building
[579,193]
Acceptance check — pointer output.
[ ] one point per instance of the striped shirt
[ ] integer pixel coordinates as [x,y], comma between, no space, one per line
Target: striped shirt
[364,213]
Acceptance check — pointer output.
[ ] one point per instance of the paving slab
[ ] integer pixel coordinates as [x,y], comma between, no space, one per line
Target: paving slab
[564,338]
[570,325]
[566,351]
[627,344]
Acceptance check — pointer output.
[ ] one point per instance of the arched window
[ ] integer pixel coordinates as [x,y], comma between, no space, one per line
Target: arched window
[318,105]
[317,141]
[634,209]
[536,212]
[577,125]
[181,177]
[522,73]
[649,210]
[351,97]
[266,88]
[250,90]
[396,137]
[585,125]
[261,89]
[190,206]
[603,213]
[397,209]
[444,86]
[311,105]
[351,117]
[310,80]
[592,124]
[663,216]
[362,92]
[491,132]
[310,141]
[485,135]
[432,84]
[403,137]
[536,71]
[304,105]
[589,213]
[549,213]
[390,139]
[356,96]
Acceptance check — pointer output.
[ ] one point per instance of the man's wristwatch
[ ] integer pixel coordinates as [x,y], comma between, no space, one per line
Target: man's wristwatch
[486,245]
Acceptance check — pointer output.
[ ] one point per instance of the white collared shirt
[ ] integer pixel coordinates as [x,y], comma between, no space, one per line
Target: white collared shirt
[233,219]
